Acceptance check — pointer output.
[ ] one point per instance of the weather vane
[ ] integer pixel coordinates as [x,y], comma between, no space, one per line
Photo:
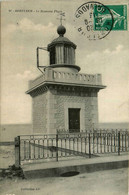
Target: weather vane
[62,14]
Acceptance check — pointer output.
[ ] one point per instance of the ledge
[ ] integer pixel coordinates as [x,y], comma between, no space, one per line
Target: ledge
[64,66]
[47,83]
[51,76]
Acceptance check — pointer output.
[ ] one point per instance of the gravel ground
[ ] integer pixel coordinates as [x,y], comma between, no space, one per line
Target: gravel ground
[111,182]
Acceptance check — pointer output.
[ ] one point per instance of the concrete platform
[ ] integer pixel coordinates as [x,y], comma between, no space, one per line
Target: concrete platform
[81,165]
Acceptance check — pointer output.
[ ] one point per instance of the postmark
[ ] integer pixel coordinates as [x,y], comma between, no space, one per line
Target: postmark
[88,20]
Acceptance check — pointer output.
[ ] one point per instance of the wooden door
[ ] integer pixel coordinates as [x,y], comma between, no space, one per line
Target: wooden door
[74,120]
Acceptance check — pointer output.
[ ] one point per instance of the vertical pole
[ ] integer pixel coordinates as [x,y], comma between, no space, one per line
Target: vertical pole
[114,143]
[119,143]
[29,151]
[85,144]
[93,143]
[61,147]
[125,143]
[65,147]
[111,141]
[34,149]
[56,147]
[37,57]
[81,144]
[104,142]
[17,151]
[97,141]
[38,149]
[122,142]
[100,141]
[89,147]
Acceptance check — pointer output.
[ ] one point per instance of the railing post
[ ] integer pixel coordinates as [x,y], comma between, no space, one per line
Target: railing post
[56,147]
[89,147]
[100,141]
[49,74]
[125,142]
[119,143]
[17,151]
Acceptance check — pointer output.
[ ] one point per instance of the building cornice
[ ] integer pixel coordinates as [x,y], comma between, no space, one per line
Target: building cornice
[70,86]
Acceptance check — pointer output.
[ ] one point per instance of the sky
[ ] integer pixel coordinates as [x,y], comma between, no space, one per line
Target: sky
[22,32]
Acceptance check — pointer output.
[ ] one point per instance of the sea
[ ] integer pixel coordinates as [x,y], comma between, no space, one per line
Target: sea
[9,131]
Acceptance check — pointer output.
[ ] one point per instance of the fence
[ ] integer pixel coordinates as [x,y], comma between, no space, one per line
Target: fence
[57,146]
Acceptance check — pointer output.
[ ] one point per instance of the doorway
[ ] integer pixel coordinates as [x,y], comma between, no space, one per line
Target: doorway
[74,120]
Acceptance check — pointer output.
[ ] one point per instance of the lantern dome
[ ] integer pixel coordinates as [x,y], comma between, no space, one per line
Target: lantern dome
[62,52]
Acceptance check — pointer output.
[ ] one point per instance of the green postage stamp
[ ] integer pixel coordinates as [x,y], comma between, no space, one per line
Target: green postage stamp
[102,17]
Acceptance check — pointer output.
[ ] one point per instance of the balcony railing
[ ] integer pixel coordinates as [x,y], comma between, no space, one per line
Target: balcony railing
[32,148]
[66,77]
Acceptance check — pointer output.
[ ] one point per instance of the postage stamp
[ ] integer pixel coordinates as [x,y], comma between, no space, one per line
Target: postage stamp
[120,16]
[96,21]
[102,18]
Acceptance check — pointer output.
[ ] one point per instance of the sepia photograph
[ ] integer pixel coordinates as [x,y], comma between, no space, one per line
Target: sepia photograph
[64,97]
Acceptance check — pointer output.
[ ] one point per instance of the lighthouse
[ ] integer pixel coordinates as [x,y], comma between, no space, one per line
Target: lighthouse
[62,97]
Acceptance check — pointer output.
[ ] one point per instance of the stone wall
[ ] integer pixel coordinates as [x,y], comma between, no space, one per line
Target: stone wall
[39,113]
[50,109]
[62,100]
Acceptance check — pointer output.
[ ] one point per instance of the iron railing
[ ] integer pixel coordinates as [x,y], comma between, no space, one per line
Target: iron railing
[56,146]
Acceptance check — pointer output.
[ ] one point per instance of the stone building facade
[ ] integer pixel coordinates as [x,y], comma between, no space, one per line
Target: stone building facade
[63,98]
